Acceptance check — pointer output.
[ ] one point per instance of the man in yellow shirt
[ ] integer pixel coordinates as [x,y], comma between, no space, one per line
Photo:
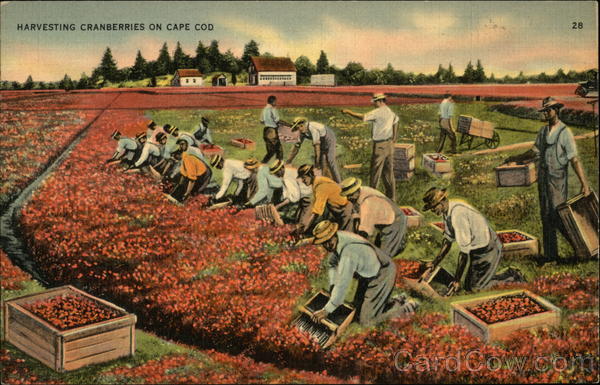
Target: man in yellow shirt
[194,177]
[326,195]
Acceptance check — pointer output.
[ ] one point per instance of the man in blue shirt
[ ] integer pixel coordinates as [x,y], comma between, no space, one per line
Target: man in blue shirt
[271,121]
[353,256]
[446,111]
[554,149]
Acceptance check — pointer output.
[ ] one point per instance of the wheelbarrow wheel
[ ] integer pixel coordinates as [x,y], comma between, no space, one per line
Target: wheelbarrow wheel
[494,141]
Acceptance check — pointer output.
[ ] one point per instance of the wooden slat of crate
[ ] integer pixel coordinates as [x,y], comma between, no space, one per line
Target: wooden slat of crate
[403,175]
[26,345]
[97,358]
[415,220]
[512,175]
[499,330]
[404,151]
[580,218]
[404,164]
[73,348]
[520,249]
[248,146]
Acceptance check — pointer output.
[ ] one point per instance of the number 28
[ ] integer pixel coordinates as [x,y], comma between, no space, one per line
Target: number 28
[577,25]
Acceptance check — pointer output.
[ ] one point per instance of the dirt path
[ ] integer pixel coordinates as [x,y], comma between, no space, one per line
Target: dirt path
[516,146]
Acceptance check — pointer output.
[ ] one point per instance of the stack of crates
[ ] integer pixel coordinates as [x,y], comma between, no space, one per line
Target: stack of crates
[404,161]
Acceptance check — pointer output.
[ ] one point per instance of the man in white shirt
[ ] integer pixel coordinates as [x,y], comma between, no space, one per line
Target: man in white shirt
[478,243]
[446,112]
[233,171]
[376,215]
[151,153]
[295,192]
[268,181]
[384,128]
[353,256]
[324,142]
[270,119]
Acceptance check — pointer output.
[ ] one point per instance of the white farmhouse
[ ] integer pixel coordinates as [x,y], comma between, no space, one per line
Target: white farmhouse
[187,78]
[271,71]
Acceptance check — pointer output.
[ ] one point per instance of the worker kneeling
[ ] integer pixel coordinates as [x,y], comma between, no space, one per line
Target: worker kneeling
[373,213]
[353,256]
[477,241]
[195,174]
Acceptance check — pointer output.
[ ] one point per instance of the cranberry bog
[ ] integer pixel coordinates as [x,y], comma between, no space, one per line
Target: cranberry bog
[233,283]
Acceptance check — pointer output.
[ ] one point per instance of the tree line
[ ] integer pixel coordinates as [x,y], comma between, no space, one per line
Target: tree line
[209,59]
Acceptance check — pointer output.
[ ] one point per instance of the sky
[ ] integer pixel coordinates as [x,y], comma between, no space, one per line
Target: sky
[508,36]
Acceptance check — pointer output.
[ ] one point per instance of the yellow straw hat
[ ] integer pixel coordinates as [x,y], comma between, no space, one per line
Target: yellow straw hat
[350,185]
[324,231]
[215,159]
[378,96]
[171,130]
[251,163]
[298,121]
[433,197]
[305,169]
[276,166]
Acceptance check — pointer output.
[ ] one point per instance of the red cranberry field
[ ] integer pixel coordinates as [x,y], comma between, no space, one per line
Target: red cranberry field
[223,280]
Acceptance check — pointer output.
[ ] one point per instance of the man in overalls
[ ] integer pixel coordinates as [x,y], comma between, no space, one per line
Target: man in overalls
[353,256]
[477,242]
[554,149]
[324,142]
[376,215]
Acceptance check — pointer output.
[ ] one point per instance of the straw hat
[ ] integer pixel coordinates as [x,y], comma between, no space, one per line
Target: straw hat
[171,130]
[550,102]
[151,123]
[297,122]
[350,185]
[115,134]
[251,163]
[324,231]
[276,166]
[433,197]
[215,160]
[140,135]
[305,169]
[378,96]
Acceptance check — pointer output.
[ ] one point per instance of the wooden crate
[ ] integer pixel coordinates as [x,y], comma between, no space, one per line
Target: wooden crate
[247,144]
[579,215]
[330,328]
[415,218]
[404,164]
[435,286]
[268,213]
[73,348]
[520,249]
[493,332]
[434,166]
[352,166]
[403,175]
[209,150]
[476,127]
[512,174]
[404,151]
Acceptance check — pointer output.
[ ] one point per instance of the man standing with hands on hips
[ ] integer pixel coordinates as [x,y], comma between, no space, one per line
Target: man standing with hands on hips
[384,128]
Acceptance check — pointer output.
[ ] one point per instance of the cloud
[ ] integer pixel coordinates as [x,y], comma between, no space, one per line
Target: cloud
[433,20]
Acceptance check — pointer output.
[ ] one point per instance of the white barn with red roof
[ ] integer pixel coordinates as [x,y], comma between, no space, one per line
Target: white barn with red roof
[271,71]
[187,78]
